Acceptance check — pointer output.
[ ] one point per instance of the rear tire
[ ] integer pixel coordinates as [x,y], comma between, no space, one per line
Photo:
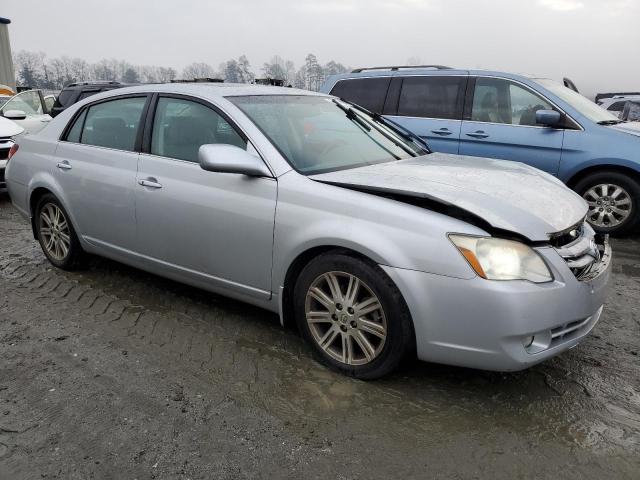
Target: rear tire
[56,235]
[614,202]
[352,315]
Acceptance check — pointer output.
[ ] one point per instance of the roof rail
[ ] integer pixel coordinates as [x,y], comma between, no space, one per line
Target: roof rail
[198,80]
[93,82]
[399,67]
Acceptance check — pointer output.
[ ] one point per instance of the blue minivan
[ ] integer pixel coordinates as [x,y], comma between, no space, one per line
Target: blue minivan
[536,121]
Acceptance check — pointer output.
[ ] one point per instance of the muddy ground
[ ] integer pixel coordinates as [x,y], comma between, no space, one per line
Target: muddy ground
[115,373]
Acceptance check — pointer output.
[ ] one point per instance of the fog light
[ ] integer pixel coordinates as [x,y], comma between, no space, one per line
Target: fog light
[528,341]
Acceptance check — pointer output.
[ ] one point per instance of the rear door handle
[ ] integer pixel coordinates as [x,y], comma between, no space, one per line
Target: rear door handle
[150,183]
[442,131]
[64,165]
[478,134]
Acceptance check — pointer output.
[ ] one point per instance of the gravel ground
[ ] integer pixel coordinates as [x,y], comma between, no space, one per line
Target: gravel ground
[115,373]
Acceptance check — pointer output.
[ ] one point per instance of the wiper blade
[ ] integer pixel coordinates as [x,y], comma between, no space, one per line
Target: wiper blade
[404,132]
[610,122]
[396,127]
[351,115]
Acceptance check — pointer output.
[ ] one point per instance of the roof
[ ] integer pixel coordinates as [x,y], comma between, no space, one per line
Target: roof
[216,90]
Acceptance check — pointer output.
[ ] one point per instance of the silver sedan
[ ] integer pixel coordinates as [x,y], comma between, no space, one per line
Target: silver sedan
[335,218]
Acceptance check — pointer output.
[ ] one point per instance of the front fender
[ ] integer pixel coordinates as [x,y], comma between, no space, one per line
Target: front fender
[568,173]
[311,214]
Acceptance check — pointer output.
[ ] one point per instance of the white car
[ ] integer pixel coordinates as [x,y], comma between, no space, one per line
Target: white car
[27,109]
[8,130]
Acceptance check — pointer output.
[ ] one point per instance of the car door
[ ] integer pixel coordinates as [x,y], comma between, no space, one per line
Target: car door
[32,104]
[96,168]
[500,122]
[431,107]
[212,227]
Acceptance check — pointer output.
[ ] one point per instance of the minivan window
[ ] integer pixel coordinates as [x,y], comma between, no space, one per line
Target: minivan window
[113,124]
[501,101]
[181,126]
[432,97]
[369,93]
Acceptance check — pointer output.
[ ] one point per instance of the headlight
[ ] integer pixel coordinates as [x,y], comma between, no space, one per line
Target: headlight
[497,259]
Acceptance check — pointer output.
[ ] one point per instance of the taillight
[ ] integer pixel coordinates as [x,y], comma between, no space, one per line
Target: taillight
[12,151]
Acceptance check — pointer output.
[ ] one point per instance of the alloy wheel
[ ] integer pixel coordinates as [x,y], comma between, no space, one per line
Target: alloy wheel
[609,205]
[346,318]
[54,231]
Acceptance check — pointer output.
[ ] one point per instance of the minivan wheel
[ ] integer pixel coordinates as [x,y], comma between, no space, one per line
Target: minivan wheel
[56,235]
[352,315]
[613,202]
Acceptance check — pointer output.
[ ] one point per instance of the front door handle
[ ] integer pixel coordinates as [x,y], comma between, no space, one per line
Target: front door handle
[442,131]
[64,165]
[478,134]
[150,183]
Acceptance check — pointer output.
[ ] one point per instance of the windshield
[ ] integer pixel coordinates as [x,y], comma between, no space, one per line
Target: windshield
[581,103]
[321,134]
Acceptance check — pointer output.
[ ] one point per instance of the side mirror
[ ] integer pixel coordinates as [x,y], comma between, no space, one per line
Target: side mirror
[231,159]
[15,115]
[548,118]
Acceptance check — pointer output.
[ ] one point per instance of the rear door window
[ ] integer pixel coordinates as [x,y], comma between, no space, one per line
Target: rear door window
[112,124]
[432,97]
[366,92]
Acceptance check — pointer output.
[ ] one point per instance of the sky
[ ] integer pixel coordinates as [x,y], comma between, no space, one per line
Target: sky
[593,42]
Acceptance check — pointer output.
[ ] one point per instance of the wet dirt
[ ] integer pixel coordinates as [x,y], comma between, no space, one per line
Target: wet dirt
[114,373]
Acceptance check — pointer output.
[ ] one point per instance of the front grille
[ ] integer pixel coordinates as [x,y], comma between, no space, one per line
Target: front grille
[583,250]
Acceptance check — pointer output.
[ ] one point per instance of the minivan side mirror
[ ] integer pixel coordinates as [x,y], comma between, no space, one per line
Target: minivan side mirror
[14,115]
[231,159]
[548,118]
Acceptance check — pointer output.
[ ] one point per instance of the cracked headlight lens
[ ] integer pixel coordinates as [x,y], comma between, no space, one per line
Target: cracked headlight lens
[498,259]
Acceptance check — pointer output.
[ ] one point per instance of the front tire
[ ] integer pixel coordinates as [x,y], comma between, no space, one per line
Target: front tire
[614,201]
[352,315]
[56,234]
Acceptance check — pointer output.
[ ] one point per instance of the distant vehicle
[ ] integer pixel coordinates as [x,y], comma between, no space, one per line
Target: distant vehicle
[536,121]
[27,109]
[631,112]
[74,92]
[616,103]
[314,208]
[8,130]
[602,96]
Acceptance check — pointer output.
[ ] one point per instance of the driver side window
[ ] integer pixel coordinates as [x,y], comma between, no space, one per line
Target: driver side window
[501,101]
[181,126]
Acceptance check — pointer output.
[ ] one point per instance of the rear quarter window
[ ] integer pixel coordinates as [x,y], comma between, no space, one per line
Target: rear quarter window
[65,98]
[369,93]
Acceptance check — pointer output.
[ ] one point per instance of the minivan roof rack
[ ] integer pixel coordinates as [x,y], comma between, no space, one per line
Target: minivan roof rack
[399,67]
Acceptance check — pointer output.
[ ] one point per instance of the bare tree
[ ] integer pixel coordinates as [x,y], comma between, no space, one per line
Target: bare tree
[198,70]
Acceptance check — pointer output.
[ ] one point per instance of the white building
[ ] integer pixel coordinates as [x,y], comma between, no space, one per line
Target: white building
[7,74]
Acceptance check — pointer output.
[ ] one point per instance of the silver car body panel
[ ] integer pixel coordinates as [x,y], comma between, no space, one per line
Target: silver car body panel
[239,236]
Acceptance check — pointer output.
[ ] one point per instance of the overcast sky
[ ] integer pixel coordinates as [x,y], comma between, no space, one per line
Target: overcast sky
[594,42]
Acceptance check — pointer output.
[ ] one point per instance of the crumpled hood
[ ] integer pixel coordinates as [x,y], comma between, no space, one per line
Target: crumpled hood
[629,127]
[508,195]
